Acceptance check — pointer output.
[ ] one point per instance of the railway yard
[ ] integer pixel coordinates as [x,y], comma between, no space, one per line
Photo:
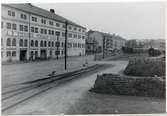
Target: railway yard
[67,92]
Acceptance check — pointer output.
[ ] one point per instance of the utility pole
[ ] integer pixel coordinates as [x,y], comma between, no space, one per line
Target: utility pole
[66,24]
[58,44]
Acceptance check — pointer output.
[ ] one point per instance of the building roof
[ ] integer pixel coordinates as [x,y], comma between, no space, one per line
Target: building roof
[41,12]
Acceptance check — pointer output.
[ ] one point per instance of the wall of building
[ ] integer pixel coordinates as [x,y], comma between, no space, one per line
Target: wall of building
[76,37]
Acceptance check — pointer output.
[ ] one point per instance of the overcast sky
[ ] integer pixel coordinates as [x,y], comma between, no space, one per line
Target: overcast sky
[131,20]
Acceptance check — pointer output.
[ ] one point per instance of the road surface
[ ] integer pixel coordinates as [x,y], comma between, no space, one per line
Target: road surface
[73,97]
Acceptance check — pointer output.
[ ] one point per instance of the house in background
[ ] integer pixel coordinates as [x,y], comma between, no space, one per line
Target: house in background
[98,41]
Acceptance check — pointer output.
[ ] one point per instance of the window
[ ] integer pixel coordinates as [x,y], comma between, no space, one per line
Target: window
[42,31]
[57,24]
[49,32]
[8,53]
[1,54]
[63,34]
[14,26]
[74,45]
[41,44]
[45,44]
[36,43]
[57,44]
[79,36]
[49,43]
[14,42]
[70,27]
[70,35]
[34,19]
[1,25]
[79,45]
[75,35]
[25,28]
[45,31]
[21,27]
[57,52]
[21,42]
[8,43]
[50,53]
[50,22]
[83,30]
[52,32]
[11,13]
[32,29]
[75,28]
[83,37]
[13,53]
[43,21]
[9,26]
[57,33]
[1,41]
[25,43]
[62,52]
[52,44]
[63,26]
[62,44]
[79,29]
[23,16]
[32,43]
[69,45]
[36,29]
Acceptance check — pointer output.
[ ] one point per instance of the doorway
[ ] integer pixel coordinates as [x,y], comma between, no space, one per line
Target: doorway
[43,54]
[23,55]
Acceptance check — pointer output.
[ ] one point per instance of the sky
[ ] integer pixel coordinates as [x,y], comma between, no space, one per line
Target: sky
[131,20]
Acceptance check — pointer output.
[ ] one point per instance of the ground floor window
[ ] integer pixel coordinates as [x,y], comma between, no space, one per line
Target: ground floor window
[57,52]
[13,53]
[62,52]
[8,53]
[36,53]
[50,53]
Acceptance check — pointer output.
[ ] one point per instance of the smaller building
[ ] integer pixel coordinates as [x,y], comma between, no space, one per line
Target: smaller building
[98,41]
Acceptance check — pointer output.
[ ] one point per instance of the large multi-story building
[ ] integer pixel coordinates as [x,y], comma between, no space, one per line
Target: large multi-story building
[98,41]
[29,32]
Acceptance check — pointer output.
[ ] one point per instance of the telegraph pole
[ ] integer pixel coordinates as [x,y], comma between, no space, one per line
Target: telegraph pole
[66,24]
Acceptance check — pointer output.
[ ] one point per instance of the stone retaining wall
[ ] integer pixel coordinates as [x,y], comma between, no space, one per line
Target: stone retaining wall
[120,85]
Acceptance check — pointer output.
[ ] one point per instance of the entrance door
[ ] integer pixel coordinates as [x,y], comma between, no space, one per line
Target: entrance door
[23,55]
[43,54]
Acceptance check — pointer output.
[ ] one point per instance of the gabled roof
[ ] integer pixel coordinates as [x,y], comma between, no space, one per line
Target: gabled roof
[41,12]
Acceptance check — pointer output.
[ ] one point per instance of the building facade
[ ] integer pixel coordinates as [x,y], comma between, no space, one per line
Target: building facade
[99,41]
[29,33]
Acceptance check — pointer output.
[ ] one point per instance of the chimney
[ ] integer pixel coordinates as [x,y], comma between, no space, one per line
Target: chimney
[52,10]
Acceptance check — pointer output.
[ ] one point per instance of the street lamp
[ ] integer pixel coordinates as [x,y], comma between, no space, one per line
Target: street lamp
[57,44]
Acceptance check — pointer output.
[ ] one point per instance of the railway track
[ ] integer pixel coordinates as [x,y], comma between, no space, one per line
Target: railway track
[27,90]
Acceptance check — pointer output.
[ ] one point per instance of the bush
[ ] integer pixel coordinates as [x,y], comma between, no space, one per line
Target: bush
[145,67]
